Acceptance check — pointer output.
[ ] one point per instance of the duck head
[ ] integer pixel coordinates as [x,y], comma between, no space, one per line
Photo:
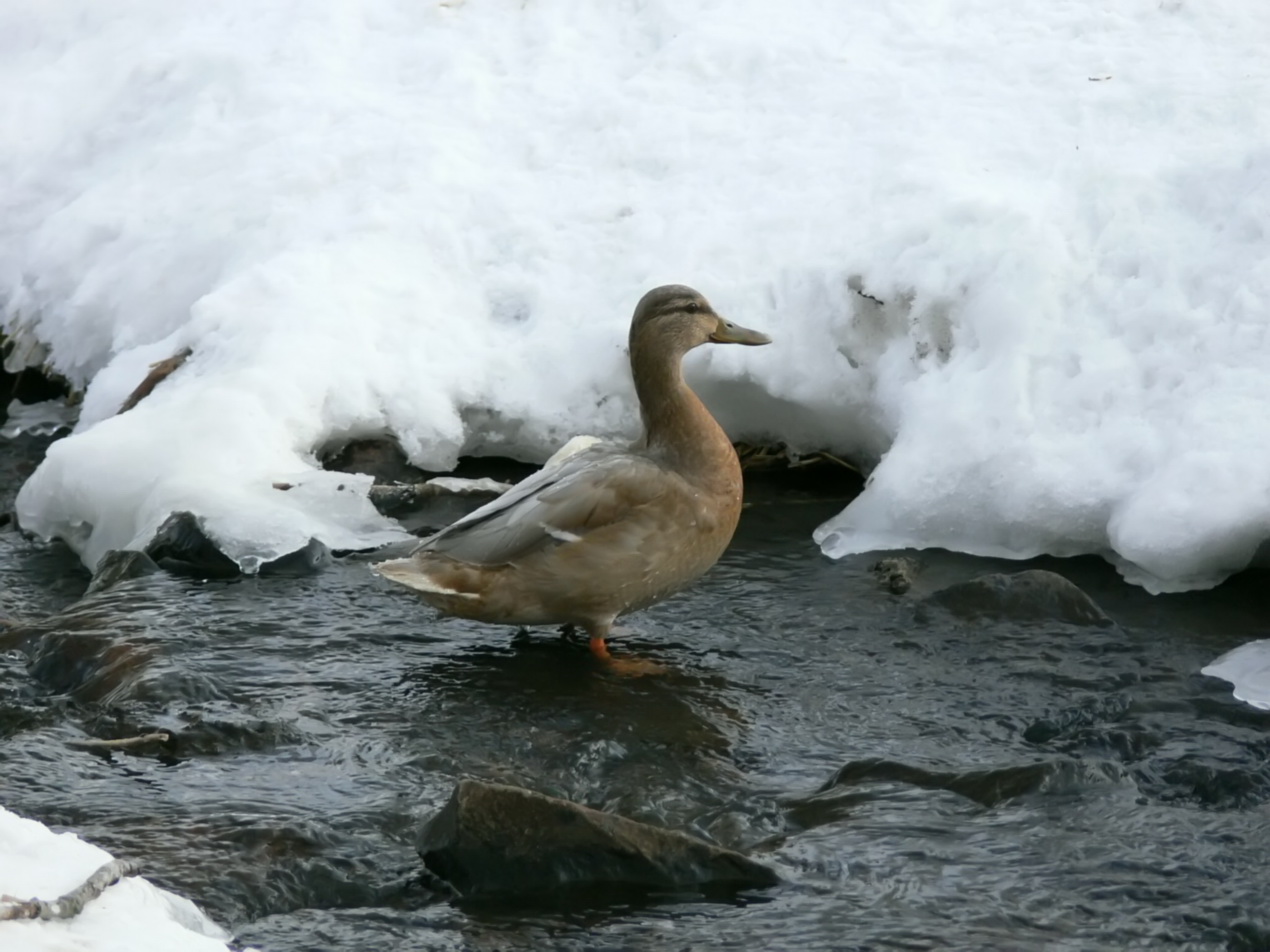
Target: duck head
[674,318]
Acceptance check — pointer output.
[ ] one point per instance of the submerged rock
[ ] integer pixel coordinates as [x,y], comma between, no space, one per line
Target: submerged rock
[896,574]
[1034,595]
[495,839]
[986,786]
[118,565]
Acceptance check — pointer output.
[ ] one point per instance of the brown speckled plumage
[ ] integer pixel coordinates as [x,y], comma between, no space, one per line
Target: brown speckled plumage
[610,529]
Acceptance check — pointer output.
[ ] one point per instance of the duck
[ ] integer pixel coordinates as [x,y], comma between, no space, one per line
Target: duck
[605,528]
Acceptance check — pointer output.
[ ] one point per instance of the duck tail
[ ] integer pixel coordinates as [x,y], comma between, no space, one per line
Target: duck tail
[412,574]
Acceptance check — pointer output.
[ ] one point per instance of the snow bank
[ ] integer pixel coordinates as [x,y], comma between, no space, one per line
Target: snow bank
[1016,257]
[130,916]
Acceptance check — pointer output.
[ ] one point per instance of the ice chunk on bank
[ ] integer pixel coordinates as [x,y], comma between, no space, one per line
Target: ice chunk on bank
[131,915]
[1248,669]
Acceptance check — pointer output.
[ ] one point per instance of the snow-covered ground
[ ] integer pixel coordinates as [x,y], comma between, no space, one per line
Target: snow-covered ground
[432,220]
[130,916]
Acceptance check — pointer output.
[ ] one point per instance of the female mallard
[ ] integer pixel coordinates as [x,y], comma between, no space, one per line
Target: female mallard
[609,529]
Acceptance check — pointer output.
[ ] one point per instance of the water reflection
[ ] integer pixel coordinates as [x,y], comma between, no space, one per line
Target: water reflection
[646,747]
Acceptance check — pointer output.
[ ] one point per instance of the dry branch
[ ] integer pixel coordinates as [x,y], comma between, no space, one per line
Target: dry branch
[159,372]
[121,743]
[74,901]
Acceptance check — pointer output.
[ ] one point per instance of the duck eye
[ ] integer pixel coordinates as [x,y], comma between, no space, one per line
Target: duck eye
[692,307]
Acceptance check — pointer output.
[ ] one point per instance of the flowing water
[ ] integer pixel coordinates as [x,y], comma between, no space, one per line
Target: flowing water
[920,782]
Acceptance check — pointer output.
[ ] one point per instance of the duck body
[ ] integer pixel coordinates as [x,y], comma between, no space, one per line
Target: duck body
[609,529]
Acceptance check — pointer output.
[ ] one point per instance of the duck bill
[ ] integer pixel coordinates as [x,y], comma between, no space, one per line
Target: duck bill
[729,333]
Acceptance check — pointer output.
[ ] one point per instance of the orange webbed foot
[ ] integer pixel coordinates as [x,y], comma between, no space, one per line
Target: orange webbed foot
[626,667]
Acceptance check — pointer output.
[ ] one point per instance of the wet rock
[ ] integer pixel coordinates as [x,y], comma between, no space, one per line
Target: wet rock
[310,560]
[90,666]
[183,548]
[495,839]
[1075,721]
[988,787]
[117,565]
[1034,595]
[896,574]
[383,460]
[391,499]
[1216,786]
[1249,937]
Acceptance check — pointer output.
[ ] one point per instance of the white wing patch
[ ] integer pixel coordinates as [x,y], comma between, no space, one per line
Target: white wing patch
[560,535]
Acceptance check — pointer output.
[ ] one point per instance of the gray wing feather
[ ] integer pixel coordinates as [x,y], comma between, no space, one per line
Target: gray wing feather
[547,508]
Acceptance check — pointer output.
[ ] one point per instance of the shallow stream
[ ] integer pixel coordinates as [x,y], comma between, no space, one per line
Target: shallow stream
[1014,785]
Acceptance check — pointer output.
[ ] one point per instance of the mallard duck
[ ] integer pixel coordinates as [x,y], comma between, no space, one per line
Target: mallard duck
[610,528]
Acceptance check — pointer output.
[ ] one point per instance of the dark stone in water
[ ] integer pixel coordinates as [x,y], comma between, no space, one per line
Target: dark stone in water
[988,787]
[1034,595]
[1218,787]
[118,565]
[501,840]
[183,548]
[896,574]
[89,665]
[382,459]
[1249,937]
[310,560]
[1090,714]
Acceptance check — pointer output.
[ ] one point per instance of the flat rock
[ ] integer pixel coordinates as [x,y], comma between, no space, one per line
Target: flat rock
[1034,595]
[496,839]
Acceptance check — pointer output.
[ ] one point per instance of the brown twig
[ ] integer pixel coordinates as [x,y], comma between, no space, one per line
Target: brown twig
[74,901]
[755,456]
[121,743]
[159,372]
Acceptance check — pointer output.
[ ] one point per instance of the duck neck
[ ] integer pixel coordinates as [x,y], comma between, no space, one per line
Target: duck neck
[676,422]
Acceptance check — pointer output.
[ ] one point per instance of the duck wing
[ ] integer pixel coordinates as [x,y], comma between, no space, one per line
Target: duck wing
[596,487]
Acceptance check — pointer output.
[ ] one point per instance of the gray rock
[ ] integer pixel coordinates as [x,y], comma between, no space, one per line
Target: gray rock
[1034,595]
[313,558]
[495,839]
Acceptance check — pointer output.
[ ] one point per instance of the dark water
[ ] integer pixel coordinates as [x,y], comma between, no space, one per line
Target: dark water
[1010,786]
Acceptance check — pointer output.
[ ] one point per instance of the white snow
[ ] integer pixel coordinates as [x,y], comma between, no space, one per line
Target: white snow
[131,916]
[432,220]
[1248,669]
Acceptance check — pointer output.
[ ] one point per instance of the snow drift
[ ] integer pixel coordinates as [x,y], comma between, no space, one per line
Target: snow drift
[133,915]
[1015,258]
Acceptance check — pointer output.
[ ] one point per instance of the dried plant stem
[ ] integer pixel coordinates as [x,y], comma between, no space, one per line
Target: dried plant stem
[121,743]
[74,901]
